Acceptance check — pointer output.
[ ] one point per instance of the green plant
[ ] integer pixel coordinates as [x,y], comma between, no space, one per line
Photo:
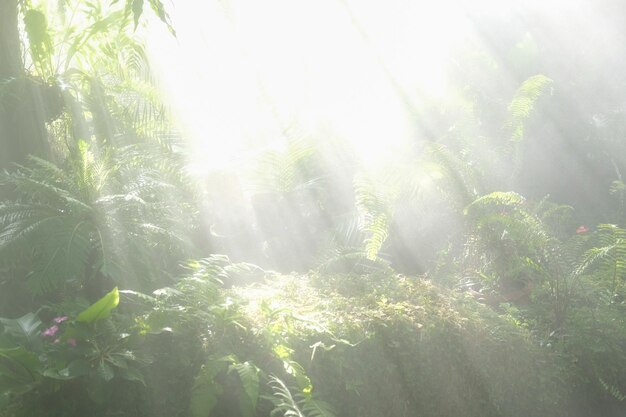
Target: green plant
[208,387]
[73,226]
[300,405]
[37,364]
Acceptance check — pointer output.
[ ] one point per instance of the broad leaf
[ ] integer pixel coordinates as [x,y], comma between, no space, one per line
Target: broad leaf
[18,370]
[105,371]
[79,367]
[101,309]
[23,330]
[137,8]
[205,390]
[75,369]
[131,374]
[38,38]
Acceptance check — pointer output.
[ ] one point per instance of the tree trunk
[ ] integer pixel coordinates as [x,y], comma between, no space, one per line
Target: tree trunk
[22,99]
[10,53]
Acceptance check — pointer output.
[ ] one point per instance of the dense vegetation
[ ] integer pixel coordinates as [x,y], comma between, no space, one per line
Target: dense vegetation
[457,281]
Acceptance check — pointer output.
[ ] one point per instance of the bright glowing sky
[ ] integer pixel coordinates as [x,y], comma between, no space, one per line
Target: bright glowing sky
[240,70]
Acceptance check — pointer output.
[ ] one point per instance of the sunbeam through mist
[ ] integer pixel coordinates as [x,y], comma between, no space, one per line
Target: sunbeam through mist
[288,208]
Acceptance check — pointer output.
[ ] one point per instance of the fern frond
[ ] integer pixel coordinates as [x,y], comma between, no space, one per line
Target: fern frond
[493,201]
[376,205]
[285,404]
[458,180]
[300,405]
[613,390]
[524,102]
[286,171]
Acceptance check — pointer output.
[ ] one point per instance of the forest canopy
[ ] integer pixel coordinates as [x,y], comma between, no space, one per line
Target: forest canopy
[312,209]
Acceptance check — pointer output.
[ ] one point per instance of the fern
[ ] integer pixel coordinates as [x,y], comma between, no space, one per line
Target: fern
[375,203]
[520,112]
[612,389]
[284,402]
[70,224]
[509,245]
[505,213]
[495,200]
[300,405]
[458,180]
[286,171]
[607,259]
[523,104]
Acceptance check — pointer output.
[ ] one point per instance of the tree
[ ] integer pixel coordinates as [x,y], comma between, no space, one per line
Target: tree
[29,99]
[22,104]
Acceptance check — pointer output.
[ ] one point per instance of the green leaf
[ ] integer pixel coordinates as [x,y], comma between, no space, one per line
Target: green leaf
[119,361]
[38,38]
[313,407]
[494,200]
[246,408]
[78,367]
[131,374]
[249,376]
[523,104]
[18,370]
[296,370]
[284,402]
[159,9]
[137,8]
[101,309]
[28,361]
[205,390]
[105,371]
[23,330]
[97,391]
[60,375]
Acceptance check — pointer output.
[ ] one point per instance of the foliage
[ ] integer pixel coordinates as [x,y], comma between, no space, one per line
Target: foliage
[524,314]
[571,283]
[523,104]
[387,344]
[89,354]
[286,404]
[90,219]
[375,204]
[101,309]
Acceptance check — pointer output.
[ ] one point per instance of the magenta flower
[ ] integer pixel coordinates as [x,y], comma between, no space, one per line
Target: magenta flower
[71,342]
[60,319]
[50,331]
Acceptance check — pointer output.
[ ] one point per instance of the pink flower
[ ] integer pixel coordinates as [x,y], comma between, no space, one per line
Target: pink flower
[582,229]
[60,319]
[50,331]
[71,342]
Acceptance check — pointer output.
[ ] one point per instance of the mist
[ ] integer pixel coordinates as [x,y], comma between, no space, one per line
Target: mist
[313,209]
